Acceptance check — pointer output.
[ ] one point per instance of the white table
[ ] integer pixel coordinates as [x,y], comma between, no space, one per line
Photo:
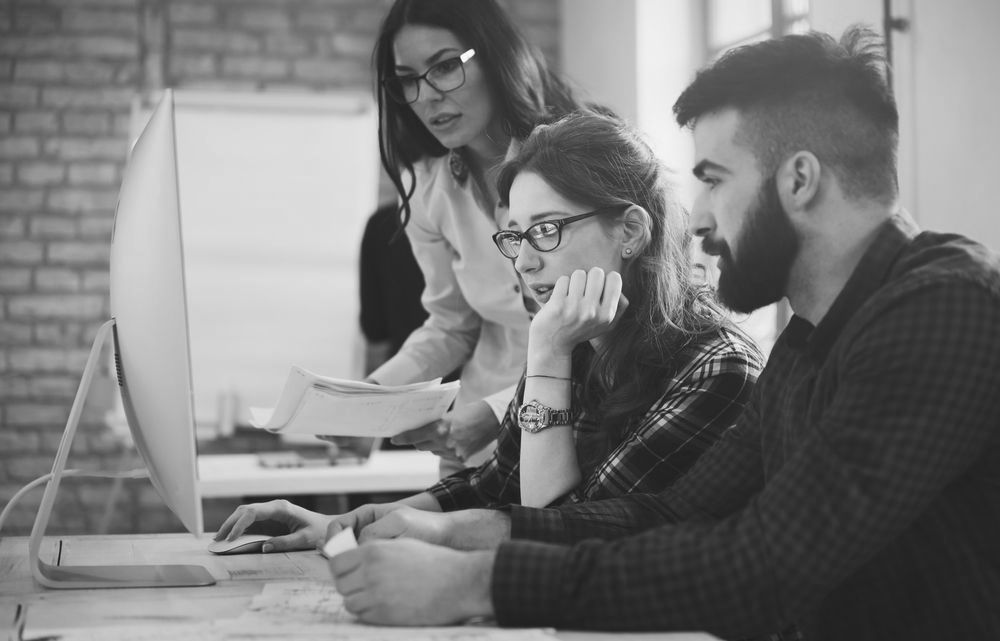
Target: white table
[236,475]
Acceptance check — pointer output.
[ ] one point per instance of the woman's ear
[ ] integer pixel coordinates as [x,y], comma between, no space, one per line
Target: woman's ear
[636,231]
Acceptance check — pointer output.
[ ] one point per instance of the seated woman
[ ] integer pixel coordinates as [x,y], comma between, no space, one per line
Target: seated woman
[632,371]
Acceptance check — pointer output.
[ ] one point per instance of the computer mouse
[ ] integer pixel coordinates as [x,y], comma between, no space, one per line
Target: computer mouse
[245,544]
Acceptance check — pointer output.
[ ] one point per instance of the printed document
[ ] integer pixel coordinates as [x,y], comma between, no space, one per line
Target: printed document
[313,404]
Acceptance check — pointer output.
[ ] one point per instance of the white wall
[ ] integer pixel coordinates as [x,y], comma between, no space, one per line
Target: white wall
[671,51]
[948,89]
[598,51]
[832,16]
[950,86]
[636,56]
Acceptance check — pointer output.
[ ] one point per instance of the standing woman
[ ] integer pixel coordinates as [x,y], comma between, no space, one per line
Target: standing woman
[457,85]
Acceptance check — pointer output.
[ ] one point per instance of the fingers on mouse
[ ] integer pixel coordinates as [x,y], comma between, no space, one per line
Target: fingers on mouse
[245,544]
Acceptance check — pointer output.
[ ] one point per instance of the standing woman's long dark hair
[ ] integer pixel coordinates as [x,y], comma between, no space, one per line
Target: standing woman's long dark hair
[527,92]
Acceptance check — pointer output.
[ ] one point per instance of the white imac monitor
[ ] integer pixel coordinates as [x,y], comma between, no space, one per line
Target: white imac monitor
[152,356]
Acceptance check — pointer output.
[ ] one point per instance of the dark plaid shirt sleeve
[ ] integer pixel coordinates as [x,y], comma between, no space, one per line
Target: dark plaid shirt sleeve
[874,460]
[712,382]
[496,482]
[723,480]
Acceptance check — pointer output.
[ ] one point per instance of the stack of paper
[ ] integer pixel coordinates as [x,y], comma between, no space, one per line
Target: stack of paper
[313,404]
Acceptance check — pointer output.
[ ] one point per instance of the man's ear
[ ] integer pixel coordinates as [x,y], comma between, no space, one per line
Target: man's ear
[637,228]
[798,181]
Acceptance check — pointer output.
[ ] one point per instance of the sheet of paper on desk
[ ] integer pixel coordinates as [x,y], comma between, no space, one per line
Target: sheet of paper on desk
[296,610]
[313,404]
[317,603]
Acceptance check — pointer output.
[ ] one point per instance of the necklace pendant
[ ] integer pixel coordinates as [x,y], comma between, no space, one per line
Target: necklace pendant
[459,169]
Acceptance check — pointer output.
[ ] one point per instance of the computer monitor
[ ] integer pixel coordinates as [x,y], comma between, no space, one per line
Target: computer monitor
[152,358]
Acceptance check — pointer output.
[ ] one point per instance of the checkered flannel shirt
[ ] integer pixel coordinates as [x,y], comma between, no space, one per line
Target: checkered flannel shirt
[712,381]
[858,496]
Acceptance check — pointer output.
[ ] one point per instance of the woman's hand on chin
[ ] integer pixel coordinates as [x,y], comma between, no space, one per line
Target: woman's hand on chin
[582,306]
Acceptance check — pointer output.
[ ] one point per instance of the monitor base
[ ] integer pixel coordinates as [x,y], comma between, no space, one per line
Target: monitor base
[124,576]
[96,576]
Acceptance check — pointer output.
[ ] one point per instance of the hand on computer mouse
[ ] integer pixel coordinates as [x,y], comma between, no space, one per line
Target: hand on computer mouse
[306,529]
[246,544]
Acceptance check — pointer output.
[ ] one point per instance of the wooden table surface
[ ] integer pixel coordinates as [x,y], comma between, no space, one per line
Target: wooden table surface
[240,578]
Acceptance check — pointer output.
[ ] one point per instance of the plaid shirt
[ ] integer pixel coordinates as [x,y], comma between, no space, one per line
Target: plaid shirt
[710,385]
[858,496]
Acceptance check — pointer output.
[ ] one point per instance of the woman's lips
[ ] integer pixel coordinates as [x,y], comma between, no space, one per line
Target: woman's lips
[542,292]
[444,121]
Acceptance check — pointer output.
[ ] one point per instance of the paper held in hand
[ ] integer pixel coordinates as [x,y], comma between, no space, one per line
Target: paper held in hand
[313,404]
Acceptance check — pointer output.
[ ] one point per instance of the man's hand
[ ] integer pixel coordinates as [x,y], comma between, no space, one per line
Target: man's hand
[462,530]
[307,529]
[360,518]
[405,522]
[458,434]
[407,582]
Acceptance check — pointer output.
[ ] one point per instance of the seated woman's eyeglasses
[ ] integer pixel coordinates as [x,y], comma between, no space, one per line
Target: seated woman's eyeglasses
[444,76]
[544,236]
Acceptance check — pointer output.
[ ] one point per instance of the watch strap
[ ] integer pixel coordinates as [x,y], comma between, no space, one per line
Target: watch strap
[558,417]
[533,417]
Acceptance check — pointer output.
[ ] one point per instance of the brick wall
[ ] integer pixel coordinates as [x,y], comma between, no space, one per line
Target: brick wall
[68,72]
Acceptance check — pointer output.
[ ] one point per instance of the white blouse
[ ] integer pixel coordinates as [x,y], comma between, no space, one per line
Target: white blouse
[473,295]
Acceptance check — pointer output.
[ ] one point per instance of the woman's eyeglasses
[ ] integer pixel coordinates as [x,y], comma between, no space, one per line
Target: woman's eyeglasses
[444,76]
[544,236]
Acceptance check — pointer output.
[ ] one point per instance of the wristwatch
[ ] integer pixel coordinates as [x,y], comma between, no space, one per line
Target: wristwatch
[534,417]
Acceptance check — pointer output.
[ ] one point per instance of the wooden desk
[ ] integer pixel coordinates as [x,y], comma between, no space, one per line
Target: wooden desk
[236,475]
[240,578]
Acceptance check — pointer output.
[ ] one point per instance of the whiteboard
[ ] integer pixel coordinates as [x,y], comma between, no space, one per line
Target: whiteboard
[275,191]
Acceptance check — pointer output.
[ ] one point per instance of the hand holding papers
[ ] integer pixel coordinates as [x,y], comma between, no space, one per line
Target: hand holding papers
[313,404]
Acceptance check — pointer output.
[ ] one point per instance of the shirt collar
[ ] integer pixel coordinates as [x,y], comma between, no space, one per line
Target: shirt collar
[869,275]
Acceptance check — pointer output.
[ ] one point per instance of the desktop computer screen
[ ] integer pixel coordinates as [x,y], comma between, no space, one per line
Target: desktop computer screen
[149,308]
[152,356]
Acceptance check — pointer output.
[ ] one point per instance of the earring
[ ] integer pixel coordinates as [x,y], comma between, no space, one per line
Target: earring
[628,251]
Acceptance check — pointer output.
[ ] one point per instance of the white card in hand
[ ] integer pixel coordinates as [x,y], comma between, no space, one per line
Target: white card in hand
[340,542]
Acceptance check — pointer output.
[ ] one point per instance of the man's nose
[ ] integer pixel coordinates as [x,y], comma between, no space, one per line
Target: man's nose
[701,222]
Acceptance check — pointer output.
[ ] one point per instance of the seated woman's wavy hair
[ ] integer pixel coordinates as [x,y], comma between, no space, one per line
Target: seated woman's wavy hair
[597,160]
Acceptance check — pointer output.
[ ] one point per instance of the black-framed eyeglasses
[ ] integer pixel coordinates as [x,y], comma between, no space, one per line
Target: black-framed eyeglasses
[544,236]
[444,76]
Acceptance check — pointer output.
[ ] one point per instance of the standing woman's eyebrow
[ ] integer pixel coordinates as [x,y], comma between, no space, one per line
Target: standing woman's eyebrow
[430,61]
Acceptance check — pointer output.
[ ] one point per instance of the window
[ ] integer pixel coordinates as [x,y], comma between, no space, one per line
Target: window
[729,23]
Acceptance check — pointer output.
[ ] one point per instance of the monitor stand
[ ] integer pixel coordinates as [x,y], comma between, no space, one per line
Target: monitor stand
[97,576]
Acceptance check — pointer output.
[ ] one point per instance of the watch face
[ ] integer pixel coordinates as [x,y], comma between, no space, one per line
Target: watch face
[530,418]
[535,417]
